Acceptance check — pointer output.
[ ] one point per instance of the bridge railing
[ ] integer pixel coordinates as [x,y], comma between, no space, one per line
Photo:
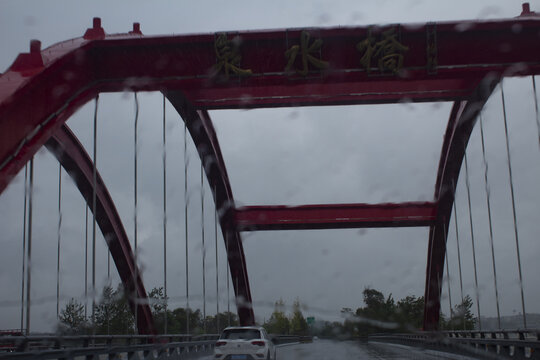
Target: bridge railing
[515,344]
[108,346]
[289,339]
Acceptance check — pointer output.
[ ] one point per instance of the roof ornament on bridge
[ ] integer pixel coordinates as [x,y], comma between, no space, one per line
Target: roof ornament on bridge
[96,32]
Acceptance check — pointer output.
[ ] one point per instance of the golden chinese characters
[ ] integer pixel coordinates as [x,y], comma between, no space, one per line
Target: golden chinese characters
[306,50]
[387,52]
[228,57]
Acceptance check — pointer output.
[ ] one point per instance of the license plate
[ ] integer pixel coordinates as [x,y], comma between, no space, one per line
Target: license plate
[238,357]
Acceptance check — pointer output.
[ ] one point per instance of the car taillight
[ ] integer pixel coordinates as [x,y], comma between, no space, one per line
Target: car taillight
[258,343]
[221,343]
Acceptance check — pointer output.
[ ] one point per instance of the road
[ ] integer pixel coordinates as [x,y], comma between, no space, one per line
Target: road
[354,350]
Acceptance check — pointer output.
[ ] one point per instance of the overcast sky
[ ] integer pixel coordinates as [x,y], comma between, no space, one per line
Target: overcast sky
[345,154]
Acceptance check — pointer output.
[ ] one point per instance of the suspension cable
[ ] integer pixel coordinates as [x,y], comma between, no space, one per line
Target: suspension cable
[536,108]
[457,244]
[86,267]
[217,264]
[448,274]
[513,206]
[135,245]
[467,183]
[228,279]
[24,245]
[94,220]
[459,258]
[59,240]
[186,201]
[488,204]
[164,217]
[29,249]
[203,249]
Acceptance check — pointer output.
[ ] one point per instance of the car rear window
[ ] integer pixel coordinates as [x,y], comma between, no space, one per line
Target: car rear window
[243,334]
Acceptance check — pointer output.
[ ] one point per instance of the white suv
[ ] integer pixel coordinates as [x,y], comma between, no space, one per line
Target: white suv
[244,343]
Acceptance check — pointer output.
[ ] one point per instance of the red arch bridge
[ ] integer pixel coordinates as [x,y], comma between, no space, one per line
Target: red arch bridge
[461,62]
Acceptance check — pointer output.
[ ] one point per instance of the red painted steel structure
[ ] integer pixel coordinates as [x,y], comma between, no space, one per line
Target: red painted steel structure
[460,125]
[451,61]
[335,216]
[74,159]
[203,134]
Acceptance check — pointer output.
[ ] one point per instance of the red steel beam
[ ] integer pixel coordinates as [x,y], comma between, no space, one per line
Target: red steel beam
[442,61]
[460,125]
[204,136]
[335,216]
[74,159]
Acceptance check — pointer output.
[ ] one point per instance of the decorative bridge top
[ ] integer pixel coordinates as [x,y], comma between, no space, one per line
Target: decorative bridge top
[291,67]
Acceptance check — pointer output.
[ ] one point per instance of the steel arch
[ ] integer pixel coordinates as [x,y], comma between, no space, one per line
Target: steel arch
[32,78]
[203,134]
[460,125]
[71,154]
[444,63]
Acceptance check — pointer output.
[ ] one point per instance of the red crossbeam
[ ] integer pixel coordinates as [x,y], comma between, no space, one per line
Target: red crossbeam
[426,62]
[335,216]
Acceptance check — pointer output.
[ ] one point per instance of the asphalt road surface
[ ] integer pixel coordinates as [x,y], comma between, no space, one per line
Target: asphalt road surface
[355,350]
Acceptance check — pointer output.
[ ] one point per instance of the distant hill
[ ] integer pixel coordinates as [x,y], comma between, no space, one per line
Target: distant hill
[511,322]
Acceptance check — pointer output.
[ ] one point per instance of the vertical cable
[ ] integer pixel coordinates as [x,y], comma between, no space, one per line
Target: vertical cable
[109,280]
[94,181]
[467,183]
[458,252]
[135,151]
[203,249]
[513,207]
[536,109]
[217,264]
[58,242]
[448,275]
[488,203]
[164,216]
[86,266]
[29,254]
[24,245]
[457,244]
[228,279]
[186,225]
[236,289]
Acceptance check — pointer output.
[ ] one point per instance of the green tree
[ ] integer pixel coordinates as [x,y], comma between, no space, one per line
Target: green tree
[158,303]
[378,314]
[113,315]
[212,322]
[410,312]
[72,320]
[350,323]
[278,322]
[377,308]
[177,323]
[298,324]
[462,316]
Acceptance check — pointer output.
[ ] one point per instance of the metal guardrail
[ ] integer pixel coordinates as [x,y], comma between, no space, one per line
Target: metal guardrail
[288,339]
[117,346]
[512,344]
[110,347]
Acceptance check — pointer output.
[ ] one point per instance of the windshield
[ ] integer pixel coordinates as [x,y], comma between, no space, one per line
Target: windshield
[241,334]
[321,170]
